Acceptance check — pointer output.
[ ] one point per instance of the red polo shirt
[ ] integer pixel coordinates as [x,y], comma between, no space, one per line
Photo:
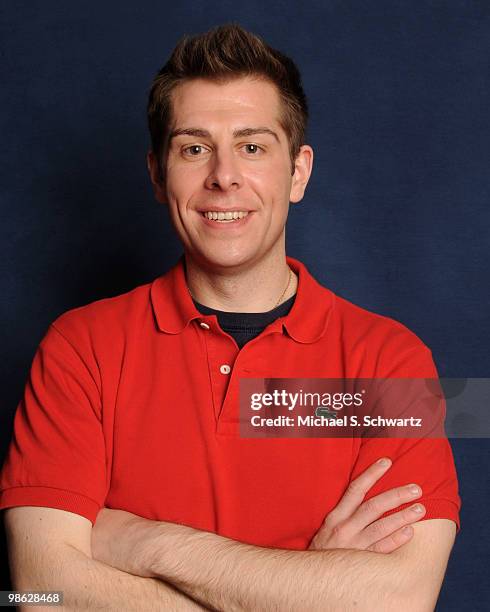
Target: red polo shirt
[128,405]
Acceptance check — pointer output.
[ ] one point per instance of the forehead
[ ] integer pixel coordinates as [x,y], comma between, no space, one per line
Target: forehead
[245,100]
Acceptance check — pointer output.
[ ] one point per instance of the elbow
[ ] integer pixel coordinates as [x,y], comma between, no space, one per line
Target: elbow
[417,605]
[420,596]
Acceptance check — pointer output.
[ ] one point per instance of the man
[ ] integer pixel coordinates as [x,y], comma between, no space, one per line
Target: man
[130,416]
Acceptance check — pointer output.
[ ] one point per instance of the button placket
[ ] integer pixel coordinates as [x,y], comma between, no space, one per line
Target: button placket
[221,354]
[249,363]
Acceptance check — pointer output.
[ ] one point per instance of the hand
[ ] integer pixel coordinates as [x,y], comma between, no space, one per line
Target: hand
[356,525]
[116,538]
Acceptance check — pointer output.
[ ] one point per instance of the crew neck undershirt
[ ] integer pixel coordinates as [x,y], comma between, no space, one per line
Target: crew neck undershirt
[244,326]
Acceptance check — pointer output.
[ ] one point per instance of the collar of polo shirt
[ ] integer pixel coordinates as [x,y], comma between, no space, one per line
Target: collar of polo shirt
[306,322]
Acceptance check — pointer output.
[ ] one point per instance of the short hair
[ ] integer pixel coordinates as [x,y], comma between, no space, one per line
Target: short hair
[223,54]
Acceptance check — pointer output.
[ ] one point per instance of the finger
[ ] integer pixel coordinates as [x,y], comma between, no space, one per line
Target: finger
[388,525]
[357,490]
[373,508]
[393,541]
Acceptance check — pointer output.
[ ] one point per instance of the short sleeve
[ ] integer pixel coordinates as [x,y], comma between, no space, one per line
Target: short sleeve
[427,462]
[56,457]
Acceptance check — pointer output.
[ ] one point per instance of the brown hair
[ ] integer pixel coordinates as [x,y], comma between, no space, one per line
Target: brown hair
[221,54]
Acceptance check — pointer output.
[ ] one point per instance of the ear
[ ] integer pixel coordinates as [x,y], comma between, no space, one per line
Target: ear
[303,165]
[156,177]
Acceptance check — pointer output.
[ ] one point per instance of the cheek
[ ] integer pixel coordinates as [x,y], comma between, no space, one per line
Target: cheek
[272,184]
[182,183]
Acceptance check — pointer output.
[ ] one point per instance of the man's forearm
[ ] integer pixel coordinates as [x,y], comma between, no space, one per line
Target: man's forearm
[88,584]
[229,575]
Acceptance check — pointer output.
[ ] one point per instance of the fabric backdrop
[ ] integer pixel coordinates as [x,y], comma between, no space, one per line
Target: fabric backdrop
[396,217]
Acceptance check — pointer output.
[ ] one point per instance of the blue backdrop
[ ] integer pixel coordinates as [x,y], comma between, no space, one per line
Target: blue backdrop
[396,217]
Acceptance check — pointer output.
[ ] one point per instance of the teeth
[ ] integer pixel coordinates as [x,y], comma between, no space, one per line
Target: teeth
[225,216]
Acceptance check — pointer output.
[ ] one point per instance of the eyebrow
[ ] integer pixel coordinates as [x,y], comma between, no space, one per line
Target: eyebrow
[200,133]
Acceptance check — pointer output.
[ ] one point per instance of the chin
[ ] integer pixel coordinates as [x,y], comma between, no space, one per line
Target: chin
[225,261]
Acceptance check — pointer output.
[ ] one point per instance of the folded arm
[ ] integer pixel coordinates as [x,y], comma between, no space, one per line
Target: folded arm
[356,560]
[229,575]
[49,549]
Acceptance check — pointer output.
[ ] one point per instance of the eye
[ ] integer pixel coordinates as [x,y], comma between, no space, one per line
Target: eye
[252,148]
[193,150]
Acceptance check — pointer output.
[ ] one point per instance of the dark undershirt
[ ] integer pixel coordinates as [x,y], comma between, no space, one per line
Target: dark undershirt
[243,326]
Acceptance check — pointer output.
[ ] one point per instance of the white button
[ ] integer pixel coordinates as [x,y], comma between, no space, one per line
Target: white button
[204,325]
[225,369]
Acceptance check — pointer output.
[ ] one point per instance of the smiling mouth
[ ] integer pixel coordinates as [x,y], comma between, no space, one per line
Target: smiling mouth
[225,217]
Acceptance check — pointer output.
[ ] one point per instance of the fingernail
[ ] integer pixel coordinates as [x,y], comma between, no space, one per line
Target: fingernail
[418,508]
[384,462]
[407,530]
[413,489]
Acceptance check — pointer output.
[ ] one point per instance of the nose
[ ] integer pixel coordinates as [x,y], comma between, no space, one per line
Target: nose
[224,172]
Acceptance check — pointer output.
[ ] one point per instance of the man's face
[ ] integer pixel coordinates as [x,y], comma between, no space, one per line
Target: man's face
[227,153]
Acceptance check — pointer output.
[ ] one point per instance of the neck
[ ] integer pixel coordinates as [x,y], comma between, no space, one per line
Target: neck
[258,288]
